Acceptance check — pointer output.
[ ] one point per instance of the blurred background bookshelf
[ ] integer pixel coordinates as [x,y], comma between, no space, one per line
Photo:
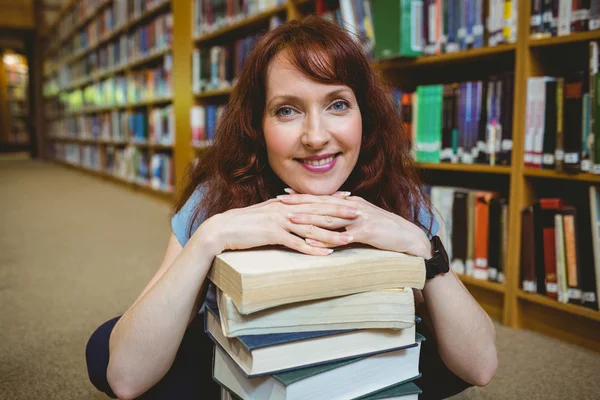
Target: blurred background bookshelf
[131,91]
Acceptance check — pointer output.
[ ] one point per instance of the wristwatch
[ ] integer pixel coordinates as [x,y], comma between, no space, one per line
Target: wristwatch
[438,263]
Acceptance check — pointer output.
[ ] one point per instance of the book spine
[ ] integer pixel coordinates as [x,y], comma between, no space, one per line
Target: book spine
[564,17]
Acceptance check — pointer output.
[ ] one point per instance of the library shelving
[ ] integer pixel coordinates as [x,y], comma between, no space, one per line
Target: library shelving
[14,100]
[526,57]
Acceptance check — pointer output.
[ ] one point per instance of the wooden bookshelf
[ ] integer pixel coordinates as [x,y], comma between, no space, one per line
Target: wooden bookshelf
[261,17]
[567,39]
[552,174]
[448,58]
[505,302]
[471,168]
[483,284]
[134,186]
[574,309]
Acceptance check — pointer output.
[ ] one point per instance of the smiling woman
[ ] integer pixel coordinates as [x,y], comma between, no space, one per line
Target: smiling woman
[308,117]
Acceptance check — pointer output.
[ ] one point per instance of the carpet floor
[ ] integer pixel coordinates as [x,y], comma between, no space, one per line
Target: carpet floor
[76,251]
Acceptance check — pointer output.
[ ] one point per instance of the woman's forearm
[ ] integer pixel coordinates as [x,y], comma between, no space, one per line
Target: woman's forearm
[464,332]
[144,342]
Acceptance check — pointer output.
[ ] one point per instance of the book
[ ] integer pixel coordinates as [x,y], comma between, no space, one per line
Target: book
[401,391]
[382,309]
[259,355]
[348,379]
[266,277]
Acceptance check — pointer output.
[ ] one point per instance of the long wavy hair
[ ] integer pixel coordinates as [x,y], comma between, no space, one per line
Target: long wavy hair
[235,172]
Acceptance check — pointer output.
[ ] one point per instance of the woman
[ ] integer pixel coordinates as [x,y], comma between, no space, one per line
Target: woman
[309,117]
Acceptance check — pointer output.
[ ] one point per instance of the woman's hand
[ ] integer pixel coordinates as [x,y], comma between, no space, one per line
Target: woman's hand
[269,223]
[374,226]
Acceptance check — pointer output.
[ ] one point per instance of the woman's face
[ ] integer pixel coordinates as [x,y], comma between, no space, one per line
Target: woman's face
[312,131]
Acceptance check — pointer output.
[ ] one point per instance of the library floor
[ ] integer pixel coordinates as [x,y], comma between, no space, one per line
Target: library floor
[75,251]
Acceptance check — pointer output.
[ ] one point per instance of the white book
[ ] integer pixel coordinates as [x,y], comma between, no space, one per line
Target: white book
[349,381]
[595,221]
[564,17]
[262,278]
[379,309]
[272,358]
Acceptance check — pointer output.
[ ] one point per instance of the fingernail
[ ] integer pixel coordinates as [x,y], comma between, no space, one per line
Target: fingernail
[312,242]
[328,251]
[290,215]
[346,194]
[347,238]
[282,196]
[355,212]
[287,190]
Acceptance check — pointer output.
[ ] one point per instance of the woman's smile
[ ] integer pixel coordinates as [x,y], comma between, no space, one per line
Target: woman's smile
[319,163]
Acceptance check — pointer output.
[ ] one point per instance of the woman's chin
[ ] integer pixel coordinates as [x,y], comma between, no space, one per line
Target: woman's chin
[317,189]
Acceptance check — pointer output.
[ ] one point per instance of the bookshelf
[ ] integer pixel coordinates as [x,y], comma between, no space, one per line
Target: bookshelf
[528,57]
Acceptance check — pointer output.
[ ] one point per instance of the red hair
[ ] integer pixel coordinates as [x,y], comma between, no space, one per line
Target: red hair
[235,171]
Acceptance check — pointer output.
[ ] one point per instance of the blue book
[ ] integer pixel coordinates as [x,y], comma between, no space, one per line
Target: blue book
[255,355]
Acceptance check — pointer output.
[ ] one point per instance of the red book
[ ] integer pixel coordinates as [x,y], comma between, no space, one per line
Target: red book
[550,207]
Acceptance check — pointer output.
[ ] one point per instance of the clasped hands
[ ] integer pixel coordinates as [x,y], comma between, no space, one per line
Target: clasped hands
[330,221]
[313,224]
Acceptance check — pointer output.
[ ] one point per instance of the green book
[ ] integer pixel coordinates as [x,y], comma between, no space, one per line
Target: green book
[398,28]
[354,378]
[404,390]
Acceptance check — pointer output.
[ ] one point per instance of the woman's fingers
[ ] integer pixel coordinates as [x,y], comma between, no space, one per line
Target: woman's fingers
[338,199]
[298,244]
[332,210]
[323,221]
[320,234]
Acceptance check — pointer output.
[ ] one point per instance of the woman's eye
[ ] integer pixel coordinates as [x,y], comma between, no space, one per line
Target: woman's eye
[285,112]
[340,105]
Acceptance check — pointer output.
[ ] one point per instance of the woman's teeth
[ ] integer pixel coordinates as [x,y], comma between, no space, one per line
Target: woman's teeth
[319,162]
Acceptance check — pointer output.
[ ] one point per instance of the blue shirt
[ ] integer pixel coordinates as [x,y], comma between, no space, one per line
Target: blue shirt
[181,220]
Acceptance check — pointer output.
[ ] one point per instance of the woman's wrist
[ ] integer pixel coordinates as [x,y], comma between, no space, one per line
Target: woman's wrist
[209,238]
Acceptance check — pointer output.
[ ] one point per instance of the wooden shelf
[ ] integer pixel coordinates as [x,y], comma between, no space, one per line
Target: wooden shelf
[162,194]
[581,311]
[447,58]
[115,70]
[213,93]
[484,284]
[472,168]
[246,22]
[558,40]
[552,174]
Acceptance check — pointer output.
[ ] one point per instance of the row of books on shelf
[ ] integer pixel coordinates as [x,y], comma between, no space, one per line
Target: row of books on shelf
[78,11]
[216,67]
[281,336]
[563,17]
[139,86]
[209,16]
[16,72]
[467,122]
[561,130]
[204,121]
[429,27]
[156,127]
[130,164]
[115,15]
[475,223]
[147,40]
[560,250]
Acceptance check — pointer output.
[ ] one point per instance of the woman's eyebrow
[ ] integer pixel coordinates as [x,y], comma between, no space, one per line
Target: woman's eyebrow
[292,98]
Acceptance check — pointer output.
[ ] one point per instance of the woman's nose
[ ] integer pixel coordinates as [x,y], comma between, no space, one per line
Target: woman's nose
[315,133]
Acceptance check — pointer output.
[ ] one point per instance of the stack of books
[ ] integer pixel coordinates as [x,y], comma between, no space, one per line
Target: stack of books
[292,326]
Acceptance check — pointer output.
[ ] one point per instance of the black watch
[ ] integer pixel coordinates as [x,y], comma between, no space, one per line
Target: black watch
[438,263]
